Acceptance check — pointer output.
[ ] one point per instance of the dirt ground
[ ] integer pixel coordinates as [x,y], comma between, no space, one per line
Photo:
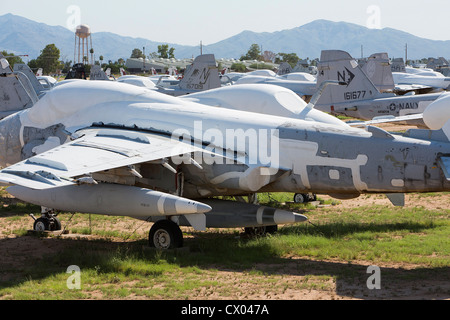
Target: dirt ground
[297,278]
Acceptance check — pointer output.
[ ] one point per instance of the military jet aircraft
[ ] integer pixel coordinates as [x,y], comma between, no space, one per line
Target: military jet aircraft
[303,88]
[360,98]
[116,149]
[17,92]
[202,75]
[423,78]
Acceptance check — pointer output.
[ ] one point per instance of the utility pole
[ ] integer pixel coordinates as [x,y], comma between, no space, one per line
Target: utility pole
[143,63]
[406,54]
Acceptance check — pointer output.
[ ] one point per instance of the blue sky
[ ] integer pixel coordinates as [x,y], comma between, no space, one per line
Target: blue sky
[189,22]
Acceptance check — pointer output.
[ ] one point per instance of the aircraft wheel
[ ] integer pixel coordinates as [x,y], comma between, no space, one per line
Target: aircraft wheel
[41,224]
[300,198]
[271,229]
[165,234]
[55,224]
[260,231]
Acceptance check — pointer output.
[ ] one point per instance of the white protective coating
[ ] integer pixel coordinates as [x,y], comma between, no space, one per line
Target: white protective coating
[428,79]
[139,81]
[437,114]
[263,98]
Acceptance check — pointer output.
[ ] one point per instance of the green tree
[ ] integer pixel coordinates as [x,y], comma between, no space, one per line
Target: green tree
[254,53]
[12,59]
[137,53]
[165,52]
[49,59]
[290,58]
[238,67]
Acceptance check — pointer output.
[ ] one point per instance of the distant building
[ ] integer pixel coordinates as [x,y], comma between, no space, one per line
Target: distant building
[139,66]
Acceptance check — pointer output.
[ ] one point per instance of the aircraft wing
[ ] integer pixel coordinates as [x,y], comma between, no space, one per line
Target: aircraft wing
[406,88]
[387,119]
[96,150]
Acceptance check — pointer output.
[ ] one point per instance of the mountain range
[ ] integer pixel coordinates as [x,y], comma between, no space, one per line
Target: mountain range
[22,36]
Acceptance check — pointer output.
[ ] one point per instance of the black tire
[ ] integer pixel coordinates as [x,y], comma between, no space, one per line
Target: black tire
[300,198]
[260,231]
[272,229]
[41,224]
[165,235]
[55,224]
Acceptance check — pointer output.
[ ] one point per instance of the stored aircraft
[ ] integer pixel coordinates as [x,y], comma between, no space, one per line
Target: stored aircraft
[17,90]
[360,98]
[104,147]
[424,78]
[201,75]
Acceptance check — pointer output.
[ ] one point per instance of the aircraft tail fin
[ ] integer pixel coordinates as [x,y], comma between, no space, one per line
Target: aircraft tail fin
[26,71]
[398,65]
[336,65]
[378,69]
[123,72]
[284,68]
[17,96]
[97,73]
[203,74]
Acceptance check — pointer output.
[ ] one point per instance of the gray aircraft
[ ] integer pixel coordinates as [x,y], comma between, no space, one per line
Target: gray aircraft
[360,98]
[110,148]
[97,73]
[17,92]
[201,75]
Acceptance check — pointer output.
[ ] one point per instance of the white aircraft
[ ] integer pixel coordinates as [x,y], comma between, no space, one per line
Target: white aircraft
[110,148]
[303,88]
[420,78]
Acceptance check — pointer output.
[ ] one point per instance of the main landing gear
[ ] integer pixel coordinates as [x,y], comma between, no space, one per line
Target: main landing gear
[304,197]
[165,234]
[47,222]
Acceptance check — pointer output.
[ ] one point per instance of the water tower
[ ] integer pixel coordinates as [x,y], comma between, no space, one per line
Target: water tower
[83,45]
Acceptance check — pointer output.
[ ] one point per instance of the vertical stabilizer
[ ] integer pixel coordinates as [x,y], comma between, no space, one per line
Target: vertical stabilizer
[284,68]
[336,65]
[26,71]
[378,69]
[97,73]
[398,65]
[203,74]
[14,96]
